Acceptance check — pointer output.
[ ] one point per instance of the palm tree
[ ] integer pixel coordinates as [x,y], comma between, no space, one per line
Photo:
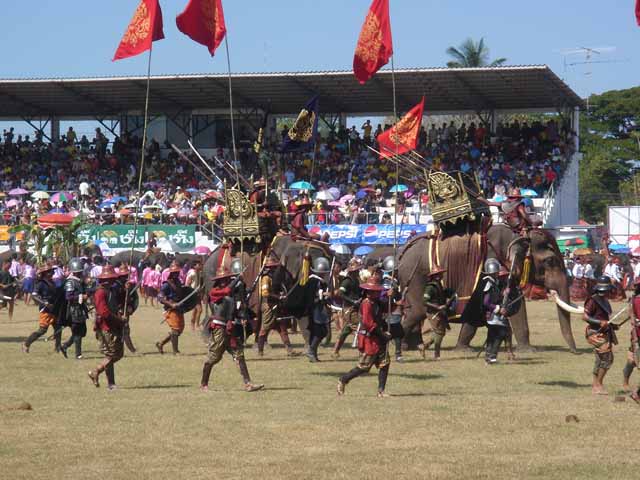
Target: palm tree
[471,54]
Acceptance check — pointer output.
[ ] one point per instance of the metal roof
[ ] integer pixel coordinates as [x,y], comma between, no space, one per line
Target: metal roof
[531,87]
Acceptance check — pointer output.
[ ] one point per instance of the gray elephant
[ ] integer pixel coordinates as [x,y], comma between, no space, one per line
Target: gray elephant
[502,243]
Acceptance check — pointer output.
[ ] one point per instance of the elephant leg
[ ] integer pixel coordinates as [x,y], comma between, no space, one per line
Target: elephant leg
[467,332]
[520,326]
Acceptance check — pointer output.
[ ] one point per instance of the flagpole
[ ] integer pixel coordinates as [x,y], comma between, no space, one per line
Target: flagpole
[233,145]
[395,206]
[140,172]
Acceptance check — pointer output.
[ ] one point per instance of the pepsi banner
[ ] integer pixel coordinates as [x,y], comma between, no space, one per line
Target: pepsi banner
[367,234]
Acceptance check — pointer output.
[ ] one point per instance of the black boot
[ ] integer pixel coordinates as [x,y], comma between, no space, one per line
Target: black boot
[174,343]
[206,373]
[383,373]
[111,376]
[347,377]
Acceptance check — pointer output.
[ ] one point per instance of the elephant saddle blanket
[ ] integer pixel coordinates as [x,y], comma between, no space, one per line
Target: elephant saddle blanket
[462,256]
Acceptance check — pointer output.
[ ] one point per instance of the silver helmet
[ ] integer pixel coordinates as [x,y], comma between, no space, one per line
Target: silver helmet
[321,265]
[236,266]
[389,264]
[76,265]
[491,266]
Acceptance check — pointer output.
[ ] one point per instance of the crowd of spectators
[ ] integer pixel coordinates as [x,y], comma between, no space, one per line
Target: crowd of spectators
[102,176]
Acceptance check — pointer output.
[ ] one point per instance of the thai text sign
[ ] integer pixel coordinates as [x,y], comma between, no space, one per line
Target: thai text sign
[179,237]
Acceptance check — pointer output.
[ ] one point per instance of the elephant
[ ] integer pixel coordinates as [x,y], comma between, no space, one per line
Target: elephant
[158,258]
[547,269]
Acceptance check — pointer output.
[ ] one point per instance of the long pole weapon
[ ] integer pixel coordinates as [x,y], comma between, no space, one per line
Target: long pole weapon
[140,172]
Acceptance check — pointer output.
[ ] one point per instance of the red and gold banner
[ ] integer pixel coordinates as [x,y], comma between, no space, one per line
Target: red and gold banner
[403,136]
[203,22]
[638,11]
[144,29]
[374,48]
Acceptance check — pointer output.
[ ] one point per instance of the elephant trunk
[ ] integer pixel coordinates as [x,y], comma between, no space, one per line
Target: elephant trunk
[564,316]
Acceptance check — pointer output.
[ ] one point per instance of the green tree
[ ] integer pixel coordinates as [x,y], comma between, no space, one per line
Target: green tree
[470,54]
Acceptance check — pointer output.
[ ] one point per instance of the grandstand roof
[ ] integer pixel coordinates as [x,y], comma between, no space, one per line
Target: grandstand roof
[521,88]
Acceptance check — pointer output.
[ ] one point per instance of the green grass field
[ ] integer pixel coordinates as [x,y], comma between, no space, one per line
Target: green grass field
[455,418]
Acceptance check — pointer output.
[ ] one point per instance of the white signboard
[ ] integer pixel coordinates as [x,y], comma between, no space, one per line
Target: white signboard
[624,225]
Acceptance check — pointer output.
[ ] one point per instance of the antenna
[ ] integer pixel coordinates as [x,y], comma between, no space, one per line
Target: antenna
[589,53]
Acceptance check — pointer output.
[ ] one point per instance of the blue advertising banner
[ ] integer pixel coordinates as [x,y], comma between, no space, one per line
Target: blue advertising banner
[369,234]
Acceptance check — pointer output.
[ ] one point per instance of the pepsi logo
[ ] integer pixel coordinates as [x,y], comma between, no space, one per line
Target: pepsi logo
[370,231]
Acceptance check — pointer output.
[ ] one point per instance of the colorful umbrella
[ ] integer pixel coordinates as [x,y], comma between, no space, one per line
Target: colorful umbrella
[62,197]
[335,203]
[335,192]
[40,195]
[346,198]
[340,249]
[582,251]
[53,219]
[18,191]
[361,194]
[202,250]
[363,250]
[398,188]
[324,195]
[13,203]
[301,186]
[527,192]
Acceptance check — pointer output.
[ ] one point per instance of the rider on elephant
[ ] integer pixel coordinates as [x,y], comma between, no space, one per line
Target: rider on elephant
[495,312]
[515,213]
[271,297]
[299,221]
[437,299]
[349,293]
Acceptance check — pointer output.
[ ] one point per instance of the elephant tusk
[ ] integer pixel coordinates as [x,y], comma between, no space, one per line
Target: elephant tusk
[567,307]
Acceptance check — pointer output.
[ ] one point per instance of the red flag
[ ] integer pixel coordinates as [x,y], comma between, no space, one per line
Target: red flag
[638,11]
[403,136]
[144,29]
[374,44]
[203,22]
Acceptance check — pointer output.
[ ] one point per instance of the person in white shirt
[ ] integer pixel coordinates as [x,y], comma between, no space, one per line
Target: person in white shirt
[636,268]
[588,271]
[580,286]
[614,272]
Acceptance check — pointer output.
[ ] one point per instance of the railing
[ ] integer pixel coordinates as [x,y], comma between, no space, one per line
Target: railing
[549,202]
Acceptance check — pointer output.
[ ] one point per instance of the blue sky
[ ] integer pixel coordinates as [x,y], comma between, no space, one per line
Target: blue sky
[78,37]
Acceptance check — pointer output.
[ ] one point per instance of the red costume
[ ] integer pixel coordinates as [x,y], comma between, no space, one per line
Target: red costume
[369,341]
[106,321]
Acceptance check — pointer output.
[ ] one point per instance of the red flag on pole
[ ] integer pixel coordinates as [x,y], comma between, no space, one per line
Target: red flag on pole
[374,44]
[203,22]
[144,29]
[638,11]
[403,136]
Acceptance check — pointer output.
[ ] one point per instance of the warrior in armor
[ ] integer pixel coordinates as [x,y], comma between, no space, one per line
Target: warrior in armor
[350,295]
[47,297]
[316,302]
[515,213]
[271,297]
[225,329]
[372,338]
[170,296]
[124,291]
[299,221]
[108,327]
[77,312]
[600,333]
[633,357]
[496,313]
[437,299]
